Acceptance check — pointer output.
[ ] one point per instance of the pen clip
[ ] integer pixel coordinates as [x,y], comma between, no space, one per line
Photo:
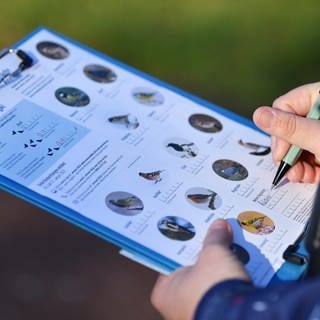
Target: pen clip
[12,63]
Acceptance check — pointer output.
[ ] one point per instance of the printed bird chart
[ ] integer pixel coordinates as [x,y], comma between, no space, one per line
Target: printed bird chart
[140,163]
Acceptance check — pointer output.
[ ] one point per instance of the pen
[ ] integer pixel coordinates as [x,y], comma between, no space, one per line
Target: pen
[294,151]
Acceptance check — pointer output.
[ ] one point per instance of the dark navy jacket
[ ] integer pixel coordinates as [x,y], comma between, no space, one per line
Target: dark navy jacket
[237,299]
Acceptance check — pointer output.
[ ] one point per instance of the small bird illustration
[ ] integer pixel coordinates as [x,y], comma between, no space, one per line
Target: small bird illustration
[143,96]
[211,204]
[259,150]
[184,148]
[102,75]
[129,203]
[69,96]
[175,227]
[32,143]
[51,152]
[153,176]
[120,119]
[254,222]
[259,225]
[206,124]
[18,131]
[74,98]
[231,171]
[126,120]
[199,197]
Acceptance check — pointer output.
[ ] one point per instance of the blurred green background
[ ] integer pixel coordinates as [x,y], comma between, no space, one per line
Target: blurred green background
[237,54]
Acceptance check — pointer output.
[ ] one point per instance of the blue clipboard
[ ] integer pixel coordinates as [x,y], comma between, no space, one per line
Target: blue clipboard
[132,250]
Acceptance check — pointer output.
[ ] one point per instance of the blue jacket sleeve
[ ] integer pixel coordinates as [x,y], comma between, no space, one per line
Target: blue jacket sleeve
[237,299]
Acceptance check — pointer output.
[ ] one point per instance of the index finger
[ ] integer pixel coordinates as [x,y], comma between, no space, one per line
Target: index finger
[298,100]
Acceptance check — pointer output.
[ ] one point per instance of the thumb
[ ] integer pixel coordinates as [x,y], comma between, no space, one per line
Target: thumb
[216,261]
[290,127]
[219,233]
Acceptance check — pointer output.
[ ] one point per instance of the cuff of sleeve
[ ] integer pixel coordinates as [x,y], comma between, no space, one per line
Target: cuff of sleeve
[217,300]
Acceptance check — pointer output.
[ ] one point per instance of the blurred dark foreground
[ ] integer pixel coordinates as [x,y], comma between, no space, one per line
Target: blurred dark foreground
[50,269]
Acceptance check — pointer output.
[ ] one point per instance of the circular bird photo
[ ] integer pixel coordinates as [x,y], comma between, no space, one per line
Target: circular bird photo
[124,203]
[203,198]
[126,121]
[52,50]
[241,253]
[72,97]
[99,73]
[230,170]
[148,97]
[176,228]
[181,148]
[255,222]
[205,123]
[254,148]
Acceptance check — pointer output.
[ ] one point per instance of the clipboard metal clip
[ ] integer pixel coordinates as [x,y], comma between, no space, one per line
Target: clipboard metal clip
[12,63]
[292,255]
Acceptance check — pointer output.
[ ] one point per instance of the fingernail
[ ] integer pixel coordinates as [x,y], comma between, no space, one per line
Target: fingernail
[219,224]
[266,118]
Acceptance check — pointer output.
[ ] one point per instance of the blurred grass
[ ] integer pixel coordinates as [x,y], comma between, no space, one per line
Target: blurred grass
[238,54]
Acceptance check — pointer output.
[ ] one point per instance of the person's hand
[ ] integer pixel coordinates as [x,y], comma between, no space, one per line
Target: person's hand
[286,123]
[176,296]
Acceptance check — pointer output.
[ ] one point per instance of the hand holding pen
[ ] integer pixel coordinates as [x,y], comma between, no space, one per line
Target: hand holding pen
[288,125]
